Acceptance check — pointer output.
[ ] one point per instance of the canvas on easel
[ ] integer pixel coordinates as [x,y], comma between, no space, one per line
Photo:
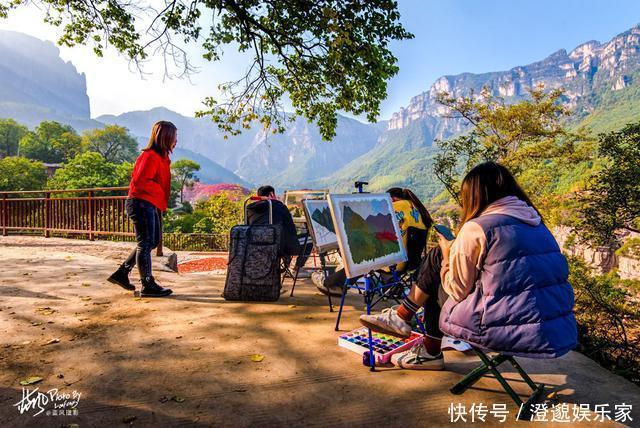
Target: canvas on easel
[320,224]
[293,200]
[368,233]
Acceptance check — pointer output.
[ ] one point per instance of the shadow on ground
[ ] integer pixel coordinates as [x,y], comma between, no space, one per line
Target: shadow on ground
[129,357]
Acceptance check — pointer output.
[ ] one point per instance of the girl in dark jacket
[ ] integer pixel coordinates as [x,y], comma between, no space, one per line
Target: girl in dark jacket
[148,196]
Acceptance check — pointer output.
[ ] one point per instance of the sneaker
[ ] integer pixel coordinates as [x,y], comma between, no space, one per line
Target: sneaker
[417,358]
[388,322]
[318,280]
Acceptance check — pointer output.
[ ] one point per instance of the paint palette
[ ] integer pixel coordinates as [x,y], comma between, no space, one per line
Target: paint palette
[384,345]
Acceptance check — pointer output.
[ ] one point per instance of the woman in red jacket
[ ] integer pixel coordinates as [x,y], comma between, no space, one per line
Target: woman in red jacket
[148,196]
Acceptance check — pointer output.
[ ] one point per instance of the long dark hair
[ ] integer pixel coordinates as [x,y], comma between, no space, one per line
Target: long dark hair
[408,195]
[163,134]
[485,184]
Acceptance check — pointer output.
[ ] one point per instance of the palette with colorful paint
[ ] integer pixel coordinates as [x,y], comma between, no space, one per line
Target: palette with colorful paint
[384,345]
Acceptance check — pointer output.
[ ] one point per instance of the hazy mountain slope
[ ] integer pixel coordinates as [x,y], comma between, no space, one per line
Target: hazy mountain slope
[36,84]
[299,156]
[403,157]
[198,135]
[293,159]
[210,172]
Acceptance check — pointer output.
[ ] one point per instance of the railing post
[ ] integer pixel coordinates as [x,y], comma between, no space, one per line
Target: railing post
[5,215]
[92,215]
[47,213]
[159,249]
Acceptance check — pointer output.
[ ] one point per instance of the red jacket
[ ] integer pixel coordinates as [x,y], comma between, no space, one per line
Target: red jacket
[151,179]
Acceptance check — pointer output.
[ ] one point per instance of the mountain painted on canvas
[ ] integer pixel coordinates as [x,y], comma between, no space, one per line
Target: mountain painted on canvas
[371,238]
[323,218]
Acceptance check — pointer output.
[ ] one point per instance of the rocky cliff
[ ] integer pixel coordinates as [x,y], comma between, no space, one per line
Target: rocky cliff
[590,68]
[600,78]
[36,84]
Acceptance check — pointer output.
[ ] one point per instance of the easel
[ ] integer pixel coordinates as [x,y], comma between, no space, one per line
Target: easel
[323,264]
[373,285]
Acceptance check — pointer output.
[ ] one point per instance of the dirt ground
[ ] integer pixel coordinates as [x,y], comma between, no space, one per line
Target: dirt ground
[187,360]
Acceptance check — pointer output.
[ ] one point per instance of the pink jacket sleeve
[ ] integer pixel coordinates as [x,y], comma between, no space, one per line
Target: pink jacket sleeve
[460,272]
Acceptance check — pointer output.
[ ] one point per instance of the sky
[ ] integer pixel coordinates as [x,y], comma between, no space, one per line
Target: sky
[451,37]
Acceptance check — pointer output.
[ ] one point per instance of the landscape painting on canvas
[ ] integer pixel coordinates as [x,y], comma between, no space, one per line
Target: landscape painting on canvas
[293,200]
[367,230]
[320,224]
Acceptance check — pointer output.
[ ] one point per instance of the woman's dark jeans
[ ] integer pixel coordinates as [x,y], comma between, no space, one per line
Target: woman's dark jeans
[147,225]
[430,283]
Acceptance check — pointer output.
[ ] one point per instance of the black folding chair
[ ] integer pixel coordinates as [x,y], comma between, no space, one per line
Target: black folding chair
[491,365]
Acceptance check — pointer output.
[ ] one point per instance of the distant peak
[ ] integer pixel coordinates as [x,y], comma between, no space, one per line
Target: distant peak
[162,109]
[558,53]
[586,47]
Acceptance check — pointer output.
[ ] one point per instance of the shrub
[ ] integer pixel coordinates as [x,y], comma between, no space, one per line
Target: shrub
[606,320]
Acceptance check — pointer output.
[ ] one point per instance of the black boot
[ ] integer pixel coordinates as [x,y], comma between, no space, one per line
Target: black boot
[121,278]
[151,289]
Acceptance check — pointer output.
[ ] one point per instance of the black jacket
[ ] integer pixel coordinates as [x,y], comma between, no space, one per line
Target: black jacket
[258,213]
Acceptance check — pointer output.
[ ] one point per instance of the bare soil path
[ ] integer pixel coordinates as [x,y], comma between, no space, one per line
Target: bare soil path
[186,360]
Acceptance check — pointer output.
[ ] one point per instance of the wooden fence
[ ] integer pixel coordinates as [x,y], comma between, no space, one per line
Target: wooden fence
[87,213]
[93,212]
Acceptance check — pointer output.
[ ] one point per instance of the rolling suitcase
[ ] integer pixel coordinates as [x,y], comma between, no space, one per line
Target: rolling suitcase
[253,270]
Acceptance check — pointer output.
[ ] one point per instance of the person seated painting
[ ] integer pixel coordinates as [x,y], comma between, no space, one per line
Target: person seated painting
[501,285]
[258,213]
[414,221]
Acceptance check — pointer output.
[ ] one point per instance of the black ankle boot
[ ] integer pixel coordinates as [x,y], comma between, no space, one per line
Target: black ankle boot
[151,289]
[121,278]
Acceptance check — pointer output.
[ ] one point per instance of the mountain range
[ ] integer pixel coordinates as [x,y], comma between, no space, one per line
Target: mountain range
[602,87]
[600,79]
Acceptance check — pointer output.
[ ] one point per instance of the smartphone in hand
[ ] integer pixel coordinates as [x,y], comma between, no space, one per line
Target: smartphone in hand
[444,231]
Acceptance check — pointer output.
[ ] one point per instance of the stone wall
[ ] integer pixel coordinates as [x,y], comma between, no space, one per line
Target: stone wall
[628,268]
[601,259]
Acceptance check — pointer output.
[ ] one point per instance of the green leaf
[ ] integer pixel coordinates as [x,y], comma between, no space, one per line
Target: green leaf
[256,358]
[31,380]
